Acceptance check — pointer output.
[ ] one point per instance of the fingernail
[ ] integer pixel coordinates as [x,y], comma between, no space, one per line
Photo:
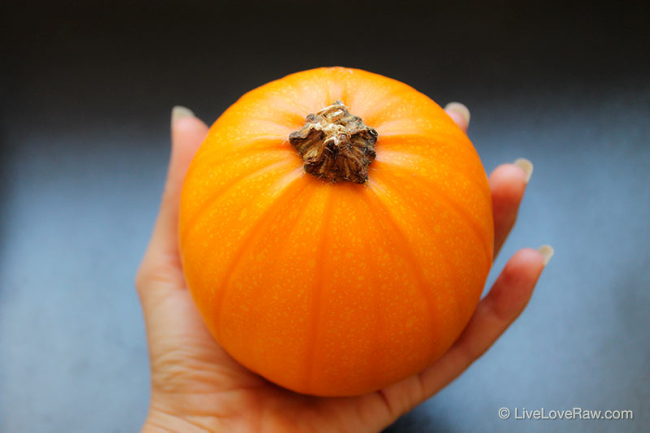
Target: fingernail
[547,252]
[459,108]
[179,112]
[526,166]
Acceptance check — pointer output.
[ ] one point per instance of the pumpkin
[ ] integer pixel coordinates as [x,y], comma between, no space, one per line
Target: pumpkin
[336,231]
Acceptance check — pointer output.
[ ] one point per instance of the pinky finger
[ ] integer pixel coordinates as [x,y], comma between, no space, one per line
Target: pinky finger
[494,314]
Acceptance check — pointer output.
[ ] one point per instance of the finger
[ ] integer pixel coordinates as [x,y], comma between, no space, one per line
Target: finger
[508,184]
[161,258]
[459,113]
[495,313]
[504,303]
[188,132]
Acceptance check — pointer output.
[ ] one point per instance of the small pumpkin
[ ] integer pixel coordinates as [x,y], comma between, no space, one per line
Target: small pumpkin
[336,231]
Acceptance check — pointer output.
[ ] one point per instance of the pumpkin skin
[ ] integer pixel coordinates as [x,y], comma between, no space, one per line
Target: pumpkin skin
[336,289]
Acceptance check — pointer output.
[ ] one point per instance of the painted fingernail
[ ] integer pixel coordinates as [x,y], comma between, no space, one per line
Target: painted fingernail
[526,166]
[459,108]
[179,112]
[547,252]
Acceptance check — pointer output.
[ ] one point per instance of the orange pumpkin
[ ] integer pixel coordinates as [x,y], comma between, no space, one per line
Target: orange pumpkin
[336,231]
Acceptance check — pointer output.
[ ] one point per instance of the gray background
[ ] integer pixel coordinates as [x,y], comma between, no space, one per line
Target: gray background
[86,94]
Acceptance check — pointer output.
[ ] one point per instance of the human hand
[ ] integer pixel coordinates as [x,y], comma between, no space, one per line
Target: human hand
[196,386]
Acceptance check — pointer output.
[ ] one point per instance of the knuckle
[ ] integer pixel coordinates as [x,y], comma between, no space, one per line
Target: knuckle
[157,275]
[140,278]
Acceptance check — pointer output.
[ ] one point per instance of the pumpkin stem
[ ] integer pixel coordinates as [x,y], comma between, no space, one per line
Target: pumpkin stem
[336,145]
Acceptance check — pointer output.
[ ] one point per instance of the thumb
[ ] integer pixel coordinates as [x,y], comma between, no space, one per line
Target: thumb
[161,261]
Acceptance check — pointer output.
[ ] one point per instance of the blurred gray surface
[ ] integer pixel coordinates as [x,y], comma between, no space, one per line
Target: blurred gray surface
[85,119]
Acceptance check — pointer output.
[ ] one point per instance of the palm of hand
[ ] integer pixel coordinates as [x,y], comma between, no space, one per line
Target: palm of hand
[197,386]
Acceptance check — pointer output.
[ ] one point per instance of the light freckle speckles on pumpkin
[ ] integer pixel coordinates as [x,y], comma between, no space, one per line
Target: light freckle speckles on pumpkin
[394,267]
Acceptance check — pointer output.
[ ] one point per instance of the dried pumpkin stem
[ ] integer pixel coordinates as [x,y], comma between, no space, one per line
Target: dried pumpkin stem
[336,145]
